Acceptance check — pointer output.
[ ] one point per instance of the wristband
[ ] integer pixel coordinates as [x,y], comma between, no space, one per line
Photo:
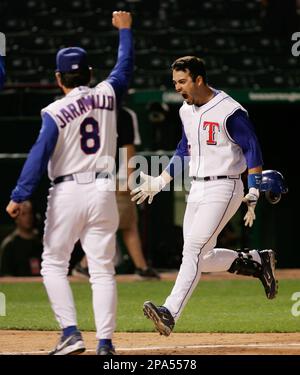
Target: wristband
[254,180]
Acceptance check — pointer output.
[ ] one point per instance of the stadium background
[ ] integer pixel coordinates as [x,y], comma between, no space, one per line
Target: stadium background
[247,47]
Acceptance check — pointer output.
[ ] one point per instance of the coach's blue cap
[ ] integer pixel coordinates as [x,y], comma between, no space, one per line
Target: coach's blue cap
[70,59]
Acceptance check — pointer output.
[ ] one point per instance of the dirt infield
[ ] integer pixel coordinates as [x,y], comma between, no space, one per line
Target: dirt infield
[40,342]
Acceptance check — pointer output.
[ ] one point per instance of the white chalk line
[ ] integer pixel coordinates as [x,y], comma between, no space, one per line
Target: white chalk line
[292,345]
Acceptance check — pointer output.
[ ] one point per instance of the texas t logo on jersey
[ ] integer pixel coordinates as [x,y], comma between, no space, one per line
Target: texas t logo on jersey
[212,126]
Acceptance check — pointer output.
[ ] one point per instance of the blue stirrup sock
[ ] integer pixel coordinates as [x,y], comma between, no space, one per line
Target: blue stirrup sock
[69,330]
[107,342]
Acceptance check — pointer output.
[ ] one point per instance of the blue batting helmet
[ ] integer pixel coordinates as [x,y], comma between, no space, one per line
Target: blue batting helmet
[273,184]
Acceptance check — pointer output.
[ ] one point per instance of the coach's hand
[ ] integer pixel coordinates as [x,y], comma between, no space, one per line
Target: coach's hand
[251,200]
[150,187]
[121,20]
[13,209]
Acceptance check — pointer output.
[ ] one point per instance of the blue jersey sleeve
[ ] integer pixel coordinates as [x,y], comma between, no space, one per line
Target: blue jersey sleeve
[181,157]
[241,130]
[121,74]
[37,160]
[2,72]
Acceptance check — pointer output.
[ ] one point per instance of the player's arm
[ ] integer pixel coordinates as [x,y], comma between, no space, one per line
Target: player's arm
[153,185]
[35,165]
[251,198]
[121,74]
[126,152]
[242,132]
[130,154]
[180,159]
[2,72]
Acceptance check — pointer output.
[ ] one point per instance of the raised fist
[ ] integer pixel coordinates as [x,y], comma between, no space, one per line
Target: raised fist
[121,19]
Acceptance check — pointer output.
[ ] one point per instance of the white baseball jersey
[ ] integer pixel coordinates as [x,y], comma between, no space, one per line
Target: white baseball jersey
[211,202]
[77,139]
[82,127]
[213,152]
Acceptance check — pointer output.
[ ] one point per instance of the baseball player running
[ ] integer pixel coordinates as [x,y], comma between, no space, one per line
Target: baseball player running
[76,141]
[219,143]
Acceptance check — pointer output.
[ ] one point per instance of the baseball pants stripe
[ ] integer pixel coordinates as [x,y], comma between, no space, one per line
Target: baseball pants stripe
[210,206]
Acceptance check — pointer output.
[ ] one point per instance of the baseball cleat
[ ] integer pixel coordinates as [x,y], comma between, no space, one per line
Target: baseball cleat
[161,317]
[105,350]
[69,345]
[267,276]
[147,274]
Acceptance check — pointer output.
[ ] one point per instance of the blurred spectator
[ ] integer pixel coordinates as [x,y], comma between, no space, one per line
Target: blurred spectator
[20,253]
[158,118]
[128,138]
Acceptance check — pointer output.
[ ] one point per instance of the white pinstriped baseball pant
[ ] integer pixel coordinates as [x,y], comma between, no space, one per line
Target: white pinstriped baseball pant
[211,204]
[80,211]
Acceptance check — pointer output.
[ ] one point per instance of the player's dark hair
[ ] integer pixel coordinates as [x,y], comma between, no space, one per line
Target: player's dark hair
[195,65]
[80,77]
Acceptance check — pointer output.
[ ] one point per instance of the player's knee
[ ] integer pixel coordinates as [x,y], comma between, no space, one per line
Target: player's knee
[106,276]
[204,245]
[101,269]
[54,263]
[50,268]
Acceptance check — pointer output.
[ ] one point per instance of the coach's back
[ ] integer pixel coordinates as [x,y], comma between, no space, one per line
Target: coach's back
[86,122]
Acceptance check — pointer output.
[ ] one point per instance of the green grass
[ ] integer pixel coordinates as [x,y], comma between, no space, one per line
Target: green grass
[216,306]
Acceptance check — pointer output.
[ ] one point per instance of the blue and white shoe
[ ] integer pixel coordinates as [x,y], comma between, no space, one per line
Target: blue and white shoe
[105,350]
[161,317]
[69,345]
